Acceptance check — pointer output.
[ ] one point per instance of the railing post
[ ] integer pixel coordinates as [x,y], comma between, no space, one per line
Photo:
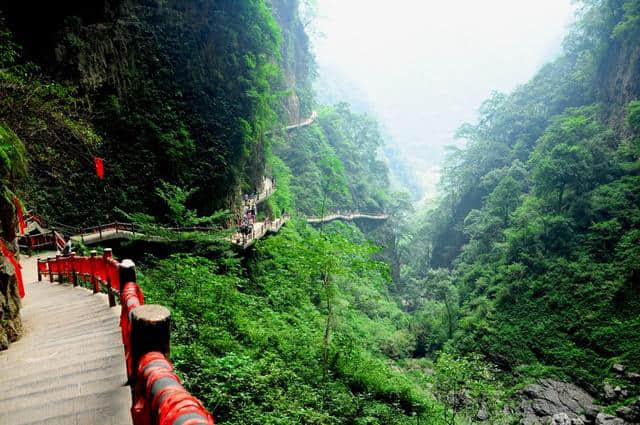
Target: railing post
[94,281]
[150,331]
[74,277]
[100,232]
[39,260]
[127,274]
[49,267]
[106,256]
[58,262]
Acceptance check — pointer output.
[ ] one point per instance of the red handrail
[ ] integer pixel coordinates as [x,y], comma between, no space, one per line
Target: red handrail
[166,404]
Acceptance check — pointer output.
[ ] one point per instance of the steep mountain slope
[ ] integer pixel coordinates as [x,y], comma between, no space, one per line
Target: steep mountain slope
[181,92]
[539,219]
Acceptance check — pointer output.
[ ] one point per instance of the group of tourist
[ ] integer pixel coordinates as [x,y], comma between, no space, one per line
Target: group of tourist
[247,220]
[249,213]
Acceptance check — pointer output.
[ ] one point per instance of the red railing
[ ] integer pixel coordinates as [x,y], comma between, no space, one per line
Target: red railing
[44,240]
[158,395]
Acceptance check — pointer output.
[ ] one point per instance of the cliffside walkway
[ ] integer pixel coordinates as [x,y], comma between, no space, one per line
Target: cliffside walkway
[69,367]
[119,230]
[304,123]
[351,216]
[260,230]
[81,360]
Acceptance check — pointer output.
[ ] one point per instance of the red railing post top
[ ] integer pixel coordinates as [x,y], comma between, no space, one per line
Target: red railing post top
[127,264]
[108,253]
[127,270]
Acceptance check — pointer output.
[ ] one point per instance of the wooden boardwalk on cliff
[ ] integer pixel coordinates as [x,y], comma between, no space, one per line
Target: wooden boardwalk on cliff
[69,367]
[346,217]
[131,231]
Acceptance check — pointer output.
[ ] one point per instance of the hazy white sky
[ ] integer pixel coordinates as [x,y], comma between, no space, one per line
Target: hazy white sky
[426,65]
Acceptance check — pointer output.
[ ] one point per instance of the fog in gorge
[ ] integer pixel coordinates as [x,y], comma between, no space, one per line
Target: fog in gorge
[424,67]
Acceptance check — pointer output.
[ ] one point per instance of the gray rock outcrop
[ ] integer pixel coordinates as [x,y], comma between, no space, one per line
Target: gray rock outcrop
[630,413]
[604,419]
[554,402]
[10,323]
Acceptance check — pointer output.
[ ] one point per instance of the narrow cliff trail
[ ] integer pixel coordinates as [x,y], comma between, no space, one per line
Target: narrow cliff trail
[69,367]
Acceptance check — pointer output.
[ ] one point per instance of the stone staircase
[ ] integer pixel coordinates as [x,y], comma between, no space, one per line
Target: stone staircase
[69,367]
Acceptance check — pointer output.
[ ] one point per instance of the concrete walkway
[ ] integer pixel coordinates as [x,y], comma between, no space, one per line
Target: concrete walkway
[69,366]
[346,217]
[304,123]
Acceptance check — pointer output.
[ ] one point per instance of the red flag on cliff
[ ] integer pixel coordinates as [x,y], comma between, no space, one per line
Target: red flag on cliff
[16,266]
[99,168]
[22,225]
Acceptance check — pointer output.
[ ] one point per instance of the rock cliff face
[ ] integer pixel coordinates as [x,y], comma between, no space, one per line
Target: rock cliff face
[179,90]
[297,64]
[540,403]
[620,80]
[560,403]
[10,322]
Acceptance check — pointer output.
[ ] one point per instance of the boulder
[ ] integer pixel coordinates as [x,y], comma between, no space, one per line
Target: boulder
[633,377]
[591,413]
[540,402]
[483,414]
[10,322]
[604,419]
[560,419]
[608,392]
[620,392]
[618,368]
[611,393]
[630,413]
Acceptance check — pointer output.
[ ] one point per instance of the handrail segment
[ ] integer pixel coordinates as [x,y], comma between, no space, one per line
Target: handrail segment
[158,395]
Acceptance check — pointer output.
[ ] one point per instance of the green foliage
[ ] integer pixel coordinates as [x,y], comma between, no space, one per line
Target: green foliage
[469,387]
[251,344]
[537,225]
[12,156]
[633,116]
[8,48]
[629,26]
[336,164]
[282,200]
[59,142]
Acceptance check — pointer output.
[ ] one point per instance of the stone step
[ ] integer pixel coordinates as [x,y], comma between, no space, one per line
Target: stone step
[88,329]
[112,358]
[69,307]
[56,381]
[63,301]
[99,409]
[58,297]
[110,337]
[83,315]
[77,386]
[79,348]
[69,367]
[101,416]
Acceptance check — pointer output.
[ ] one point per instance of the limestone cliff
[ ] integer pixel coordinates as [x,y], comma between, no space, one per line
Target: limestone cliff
[619,79]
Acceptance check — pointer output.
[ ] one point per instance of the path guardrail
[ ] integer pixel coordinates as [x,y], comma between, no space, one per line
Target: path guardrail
[158,395]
